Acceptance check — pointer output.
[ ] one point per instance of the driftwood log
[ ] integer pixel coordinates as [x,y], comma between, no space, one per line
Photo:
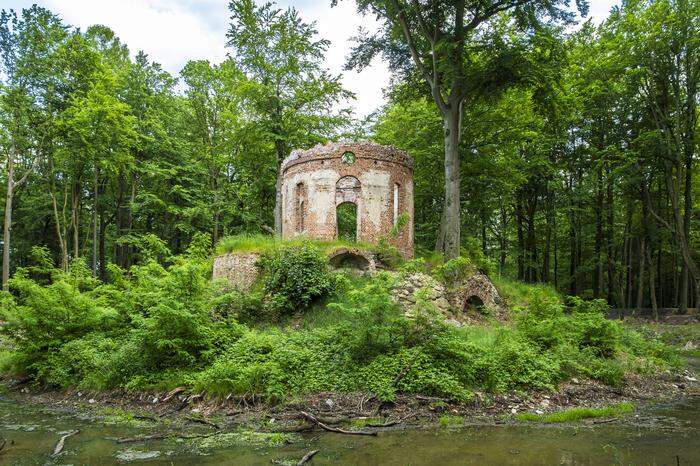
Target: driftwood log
[334,429]
[307,457]
[62,442]
[145,438]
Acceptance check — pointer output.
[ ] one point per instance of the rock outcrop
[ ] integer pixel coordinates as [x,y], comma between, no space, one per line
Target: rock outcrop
[473,299]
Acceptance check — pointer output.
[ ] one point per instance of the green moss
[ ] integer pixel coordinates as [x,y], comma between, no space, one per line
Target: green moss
[577,414]
[244,438]
[447,420]
[121,417]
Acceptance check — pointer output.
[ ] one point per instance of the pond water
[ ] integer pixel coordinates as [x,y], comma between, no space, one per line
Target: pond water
[658,435]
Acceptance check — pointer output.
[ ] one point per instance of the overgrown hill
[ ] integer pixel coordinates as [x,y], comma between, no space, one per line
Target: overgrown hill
[303,329]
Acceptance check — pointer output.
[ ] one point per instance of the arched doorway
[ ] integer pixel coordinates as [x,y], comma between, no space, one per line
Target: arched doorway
[473,303]
[346,214]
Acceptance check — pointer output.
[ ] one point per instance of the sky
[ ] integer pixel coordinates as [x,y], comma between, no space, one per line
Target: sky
[172,32]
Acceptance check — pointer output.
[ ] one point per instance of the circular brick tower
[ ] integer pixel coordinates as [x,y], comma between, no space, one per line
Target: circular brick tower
[372,185]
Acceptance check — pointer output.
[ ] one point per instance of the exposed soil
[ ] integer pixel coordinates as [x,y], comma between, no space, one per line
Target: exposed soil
[360,411]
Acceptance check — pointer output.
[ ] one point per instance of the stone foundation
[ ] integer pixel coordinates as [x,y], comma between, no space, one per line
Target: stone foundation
[237,268]
[472,300]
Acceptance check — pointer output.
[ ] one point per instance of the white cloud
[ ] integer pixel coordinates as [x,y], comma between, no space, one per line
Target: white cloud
[173,32]
[168,31]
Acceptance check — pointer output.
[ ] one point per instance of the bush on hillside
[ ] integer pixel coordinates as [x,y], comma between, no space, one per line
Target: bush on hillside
[159,327]
[294,277]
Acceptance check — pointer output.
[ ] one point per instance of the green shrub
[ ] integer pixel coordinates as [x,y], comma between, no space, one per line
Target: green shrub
[294,277]
[454,271]
[41,319]
[388,254]
[157,327]
[594,330]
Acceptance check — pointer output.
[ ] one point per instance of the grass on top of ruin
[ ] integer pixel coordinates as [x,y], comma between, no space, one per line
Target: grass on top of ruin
[261,243]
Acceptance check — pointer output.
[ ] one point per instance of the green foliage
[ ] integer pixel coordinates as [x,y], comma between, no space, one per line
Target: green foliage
[161,327]
[545,323]
[400,224]
[294,277]
[388,253]
[454,270]
[578,414]
[246,243]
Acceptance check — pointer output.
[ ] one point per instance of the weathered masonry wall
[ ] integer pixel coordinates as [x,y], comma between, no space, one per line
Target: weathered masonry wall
[377,179]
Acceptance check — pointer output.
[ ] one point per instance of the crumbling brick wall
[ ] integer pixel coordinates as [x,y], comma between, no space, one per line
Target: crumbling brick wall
[377,179]
[238,268]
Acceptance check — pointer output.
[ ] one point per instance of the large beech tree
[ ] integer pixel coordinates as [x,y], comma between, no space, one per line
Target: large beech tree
[439,41]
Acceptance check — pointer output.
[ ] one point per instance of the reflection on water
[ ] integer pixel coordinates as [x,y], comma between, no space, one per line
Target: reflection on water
[662,435]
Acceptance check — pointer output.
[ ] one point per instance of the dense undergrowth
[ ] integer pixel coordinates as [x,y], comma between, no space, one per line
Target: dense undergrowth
[302,329]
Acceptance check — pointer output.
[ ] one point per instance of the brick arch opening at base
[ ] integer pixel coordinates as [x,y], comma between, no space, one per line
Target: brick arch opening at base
[347,258]
[473,302]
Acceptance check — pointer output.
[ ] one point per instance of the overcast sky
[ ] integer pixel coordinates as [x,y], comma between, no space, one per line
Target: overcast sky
[172,32]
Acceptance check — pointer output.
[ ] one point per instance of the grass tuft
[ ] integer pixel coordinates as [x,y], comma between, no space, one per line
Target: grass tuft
[577,414]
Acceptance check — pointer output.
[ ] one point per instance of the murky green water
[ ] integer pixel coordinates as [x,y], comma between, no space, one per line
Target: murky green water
[660,435]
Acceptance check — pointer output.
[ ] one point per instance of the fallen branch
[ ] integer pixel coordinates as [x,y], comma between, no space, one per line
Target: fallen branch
[203,421]
[145,438]
[307,457]
[62,442]
[182,406]
[605,421]
[298,428]
[334,429]
[174,392]
[393,423]
[2,443]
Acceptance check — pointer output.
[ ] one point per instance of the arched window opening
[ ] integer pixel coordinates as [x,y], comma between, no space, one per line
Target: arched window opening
[300,213]
[347,221]
[397,188]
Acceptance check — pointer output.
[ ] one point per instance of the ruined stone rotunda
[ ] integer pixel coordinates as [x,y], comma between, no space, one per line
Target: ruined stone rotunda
[358,191]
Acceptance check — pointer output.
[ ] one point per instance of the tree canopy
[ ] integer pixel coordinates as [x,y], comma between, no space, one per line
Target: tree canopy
[560,153]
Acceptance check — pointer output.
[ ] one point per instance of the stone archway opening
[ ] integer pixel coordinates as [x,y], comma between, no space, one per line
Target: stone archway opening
[346,259]
[473,303]
[346,214]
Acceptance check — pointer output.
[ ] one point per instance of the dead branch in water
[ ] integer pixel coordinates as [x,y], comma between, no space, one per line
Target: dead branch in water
[334,429]
[62,442]
[307,457]
[605,421]
[392,423]
[203,421]
[156,436]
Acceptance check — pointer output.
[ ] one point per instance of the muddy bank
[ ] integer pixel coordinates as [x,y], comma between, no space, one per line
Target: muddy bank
[179,409]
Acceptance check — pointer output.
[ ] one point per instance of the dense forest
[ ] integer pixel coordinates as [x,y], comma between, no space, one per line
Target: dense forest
[566,153]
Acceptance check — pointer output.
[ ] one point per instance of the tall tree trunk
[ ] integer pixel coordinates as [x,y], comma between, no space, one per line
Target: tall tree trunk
[640,279]
[598,246]
[75,202]
[440,239]
[101,248]
[7,225]
[451,121]
[521,237]
[94,221]
[60,221]
[609,235]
